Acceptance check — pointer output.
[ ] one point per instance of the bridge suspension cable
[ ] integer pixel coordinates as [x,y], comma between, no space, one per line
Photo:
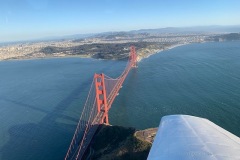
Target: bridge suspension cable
[102,93]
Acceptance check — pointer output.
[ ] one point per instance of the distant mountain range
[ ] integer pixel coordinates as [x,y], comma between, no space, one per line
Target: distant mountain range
[168,30]
[177,30]
[197,29]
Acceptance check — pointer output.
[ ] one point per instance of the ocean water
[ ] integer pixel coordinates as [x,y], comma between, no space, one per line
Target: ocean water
[41,100]
[198,79]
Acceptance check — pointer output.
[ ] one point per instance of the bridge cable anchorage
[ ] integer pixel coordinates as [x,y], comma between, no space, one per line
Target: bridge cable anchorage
[97,105]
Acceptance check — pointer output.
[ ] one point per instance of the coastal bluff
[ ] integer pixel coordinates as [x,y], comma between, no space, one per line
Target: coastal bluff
[120,143]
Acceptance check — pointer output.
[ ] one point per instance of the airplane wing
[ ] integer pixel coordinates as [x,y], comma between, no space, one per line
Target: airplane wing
[183,137]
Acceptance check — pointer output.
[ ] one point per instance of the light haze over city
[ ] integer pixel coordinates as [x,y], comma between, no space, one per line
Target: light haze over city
[31,19]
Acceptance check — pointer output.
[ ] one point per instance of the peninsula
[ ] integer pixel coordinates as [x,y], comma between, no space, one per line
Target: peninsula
[108,45]
[101,46]
[120,143]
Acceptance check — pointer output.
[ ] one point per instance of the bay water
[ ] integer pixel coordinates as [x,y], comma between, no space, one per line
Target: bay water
[41,100]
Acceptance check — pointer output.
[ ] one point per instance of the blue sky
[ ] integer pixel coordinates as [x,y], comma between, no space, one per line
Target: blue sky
[30,19]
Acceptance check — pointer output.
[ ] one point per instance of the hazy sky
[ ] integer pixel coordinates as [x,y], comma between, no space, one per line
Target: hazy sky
[29,19]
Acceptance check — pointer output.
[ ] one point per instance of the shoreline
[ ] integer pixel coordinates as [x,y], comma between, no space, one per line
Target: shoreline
[141,56]
[161,50]
[46,57]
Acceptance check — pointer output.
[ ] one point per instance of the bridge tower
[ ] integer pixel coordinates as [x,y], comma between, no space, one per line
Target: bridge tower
[101,97]
[96,108]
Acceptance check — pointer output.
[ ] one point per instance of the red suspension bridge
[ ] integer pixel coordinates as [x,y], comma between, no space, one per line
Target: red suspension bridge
[102,93]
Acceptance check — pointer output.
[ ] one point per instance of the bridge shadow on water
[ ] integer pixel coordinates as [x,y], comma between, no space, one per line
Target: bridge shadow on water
[48,139]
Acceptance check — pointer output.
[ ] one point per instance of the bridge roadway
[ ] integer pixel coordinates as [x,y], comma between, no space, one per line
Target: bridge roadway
[92,130]
[97,108]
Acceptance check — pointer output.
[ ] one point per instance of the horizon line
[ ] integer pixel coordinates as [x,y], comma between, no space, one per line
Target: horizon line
[63,36]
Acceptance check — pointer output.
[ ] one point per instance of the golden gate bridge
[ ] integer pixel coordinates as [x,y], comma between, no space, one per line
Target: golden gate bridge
[102,93]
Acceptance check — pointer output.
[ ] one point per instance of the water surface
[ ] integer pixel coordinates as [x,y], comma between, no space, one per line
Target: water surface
[41,100]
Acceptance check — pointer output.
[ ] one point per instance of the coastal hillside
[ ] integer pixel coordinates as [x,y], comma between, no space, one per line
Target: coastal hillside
[226,37]
[118,143]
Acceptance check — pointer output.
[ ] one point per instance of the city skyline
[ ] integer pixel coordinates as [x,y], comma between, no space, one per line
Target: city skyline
[29,19]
